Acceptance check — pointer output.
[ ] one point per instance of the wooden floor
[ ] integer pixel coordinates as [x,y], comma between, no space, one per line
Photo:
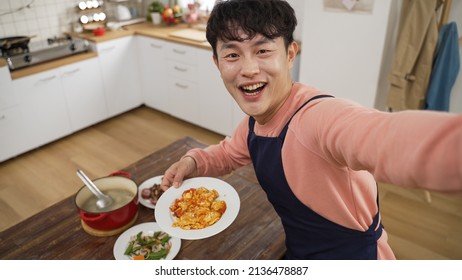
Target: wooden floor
[40,178]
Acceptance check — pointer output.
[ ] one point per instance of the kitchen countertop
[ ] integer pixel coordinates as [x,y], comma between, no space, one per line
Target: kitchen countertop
[144,29]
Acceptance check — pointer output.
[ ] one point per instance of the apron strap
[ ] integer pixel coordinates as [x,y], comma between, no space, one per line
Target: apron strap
[284,131]
[282,135]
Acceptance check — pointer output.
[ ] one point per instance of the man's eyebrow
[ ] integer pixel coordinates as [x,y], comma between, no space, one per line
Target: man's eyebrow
[261,41]
[228,45]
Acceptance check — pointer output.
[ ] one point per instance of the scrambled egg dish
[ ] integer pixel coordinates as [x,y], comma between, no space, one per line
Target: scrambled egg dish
[197,208]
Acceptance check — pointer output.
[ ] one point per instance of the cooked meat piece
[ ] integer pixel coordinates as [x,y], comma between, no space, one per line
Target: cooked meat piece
[146,193]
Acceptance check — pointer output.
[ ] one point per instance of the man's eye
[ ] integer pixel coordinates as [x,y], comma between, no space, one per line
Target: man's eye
[231,55]
[263,51]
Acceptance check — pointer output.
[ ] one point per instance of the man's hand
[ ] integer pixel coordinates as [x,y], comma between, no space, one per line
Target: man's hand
[175,174]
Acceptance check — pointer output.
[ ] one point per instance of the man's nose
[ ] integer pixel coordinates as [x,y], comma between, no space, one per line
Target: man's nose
[250,67]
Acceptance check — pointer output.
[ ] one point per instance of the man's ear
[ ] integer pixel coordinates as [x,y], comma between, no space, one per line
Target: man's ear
[292,51]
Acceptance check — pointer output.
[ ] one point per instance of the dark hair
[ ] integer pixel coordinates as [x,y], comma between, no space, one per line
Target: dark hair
[270,18]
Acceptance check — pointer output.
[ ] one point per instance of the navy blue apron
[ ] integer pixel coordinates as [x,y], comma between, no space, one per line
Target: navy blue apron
[308,235]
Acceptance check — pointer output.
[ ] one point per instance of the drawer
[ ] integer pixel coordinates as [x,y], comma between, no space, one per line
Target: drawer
[184,100]
[182,70]
[182,53]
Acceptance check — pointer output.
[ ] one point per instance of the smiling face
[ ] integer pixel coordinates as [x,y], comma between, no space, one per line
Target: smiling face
[256,72]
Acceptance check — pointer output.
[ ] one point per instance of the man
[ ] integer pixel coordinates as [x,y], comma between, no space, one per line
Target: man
[317,157]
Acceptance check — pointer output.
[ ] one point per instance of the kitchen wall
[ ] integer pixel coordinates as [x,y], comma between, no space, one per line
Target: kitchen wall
[40,18]
[48,18]
[344,52]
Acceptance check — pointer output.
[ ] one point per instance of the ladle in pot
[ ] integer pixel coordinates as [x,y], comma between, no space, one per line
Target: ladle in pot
[103,200]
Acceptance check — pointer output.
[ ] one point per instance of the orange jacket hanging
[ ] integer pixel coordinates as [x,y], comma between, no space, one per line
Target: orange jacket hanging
[415,48]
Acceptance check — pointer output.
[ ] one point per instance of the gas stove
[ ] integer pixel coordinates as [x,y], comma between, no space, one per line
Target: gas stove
[43,51]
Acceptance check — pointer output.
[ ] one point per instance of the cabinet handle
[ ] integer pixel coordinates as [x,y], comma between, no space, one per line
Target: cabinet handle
[44,80]
[179,51]
[71,72]
[156,46]
[108,49]
[180,69]
[181,85]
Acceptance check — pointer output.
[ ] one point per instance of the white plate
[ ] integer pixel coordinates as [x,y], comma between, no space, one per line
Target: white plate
[147,184]
[226,192]
[148,229]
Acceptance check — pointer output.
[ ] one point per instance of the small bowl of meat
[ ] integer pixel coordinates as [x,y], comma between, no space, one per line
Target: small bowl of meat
[149,192]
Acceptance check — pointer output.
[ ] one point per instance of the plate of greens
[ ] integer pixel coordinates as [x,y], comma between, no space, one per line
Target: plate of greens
[146,242]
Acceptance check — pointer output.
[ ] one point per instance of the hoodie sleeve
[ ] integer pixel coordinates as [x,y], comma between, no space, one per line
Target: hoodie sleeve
[410,148]
[220,159]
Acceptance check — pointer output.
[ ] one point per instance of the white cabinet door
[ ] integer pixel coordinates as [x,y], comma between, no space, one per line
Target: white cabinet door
[184,100]
[183,89]
[43,106]
[84,92]
[12,133]
[7,96]
[215,103]
[119,67]
[12,137]
[5,76]
[151,61]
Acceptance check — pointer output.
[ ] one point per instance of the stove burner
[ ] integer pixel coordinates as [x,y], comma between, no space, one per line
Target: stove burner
[10,46]
[14,51]
[53,48]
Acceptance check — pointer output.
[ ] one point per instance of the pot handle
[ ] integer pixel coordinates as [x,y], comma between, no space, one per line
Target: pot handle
[121,173]
[98,217]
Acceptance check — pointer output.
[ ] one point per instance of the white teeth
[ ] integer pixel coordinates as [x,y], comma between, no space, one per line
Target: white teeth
[253,87]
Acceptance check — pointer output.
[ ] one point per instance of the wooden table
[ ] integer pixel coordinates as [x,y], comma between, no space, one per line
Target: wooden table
[56,232]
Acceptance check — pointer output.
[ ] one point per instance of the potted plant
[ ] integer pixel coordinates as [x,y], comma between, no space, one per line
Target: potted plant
[155,10]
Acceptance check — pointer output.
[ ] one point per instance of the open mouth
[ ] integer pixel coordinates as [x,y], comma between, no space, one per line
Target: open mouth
[253,89]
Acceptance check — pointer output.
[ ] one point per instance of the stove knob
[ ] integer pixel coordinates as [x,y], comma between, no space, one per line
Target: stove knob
[27,58]
[72,47]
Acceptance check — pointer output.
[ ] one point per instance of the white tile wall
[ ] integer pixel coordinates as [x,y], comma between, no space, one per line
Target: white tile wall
[40,18]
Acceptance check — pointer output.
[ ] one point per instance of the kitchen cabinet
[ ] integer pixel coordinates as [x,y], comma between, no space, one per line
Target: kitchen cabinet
[118,62]
[182,82]
[7,97]
[43,106]
[13,137]
[151,61]
[178,79]
[215,103]
[84,92]
[12,140]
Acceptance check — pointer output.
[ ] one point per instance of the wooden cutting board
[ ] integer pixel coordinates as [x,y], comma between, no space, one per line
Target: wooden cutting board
[189,34]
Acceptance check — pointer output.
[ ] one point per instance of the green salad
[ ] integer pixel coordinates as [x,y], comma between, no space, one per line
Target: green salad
[149,247]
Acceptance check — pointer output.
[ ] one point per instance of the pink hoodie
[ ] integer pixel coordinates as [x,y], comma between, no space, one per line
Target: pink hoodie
[335,148]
